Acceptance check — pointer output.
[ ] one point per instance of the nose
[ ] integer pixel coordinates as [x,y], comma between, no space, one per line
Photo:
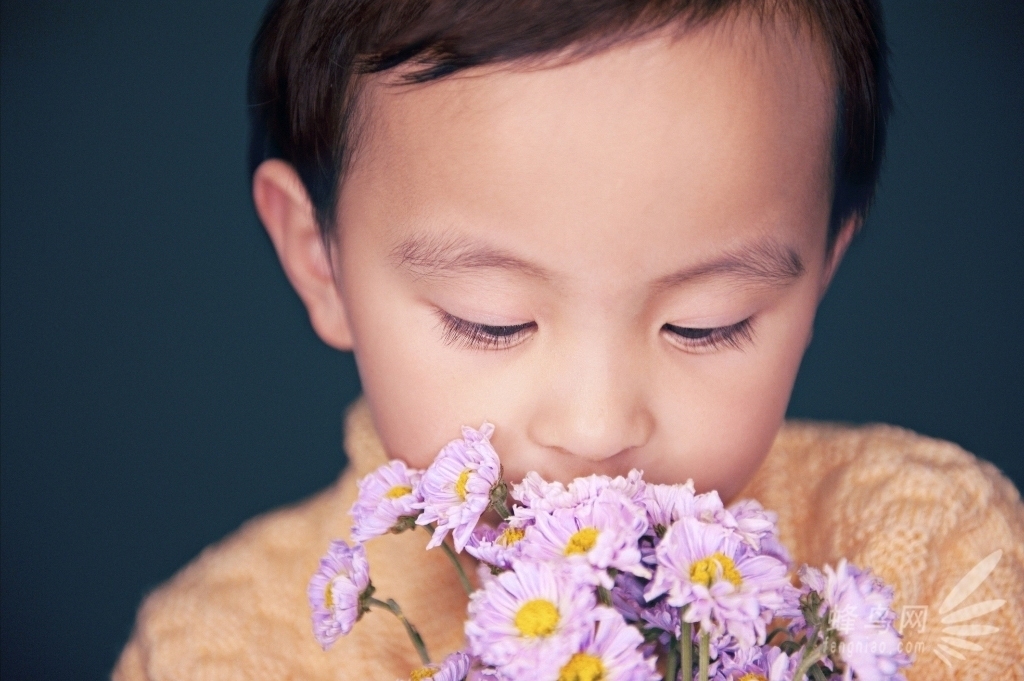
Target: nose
[593,406]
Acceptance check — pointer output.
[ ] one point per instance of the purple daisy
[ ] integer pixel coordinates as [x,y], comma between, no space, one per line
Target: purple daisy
[724,650]
[627,595]
[664,617]
[540,496]
[455,667]
[592,486]
[708,508]
[497,546]
[666,504]
[484,574]
[530,620]
[722,583]
[335,590]
[759,663]
[604,531]
[537,494]
[386,496]
[858,608]
[610,652]
[456,489]
[759,528]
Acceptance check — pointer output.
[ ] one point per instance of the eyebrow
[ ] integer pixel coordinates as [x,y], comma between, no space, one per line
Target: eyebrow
[439,255]
[764,262]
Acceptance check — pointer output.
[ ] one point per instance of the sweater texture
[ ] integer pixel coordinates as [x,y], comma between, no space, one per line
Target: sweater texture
[921,513]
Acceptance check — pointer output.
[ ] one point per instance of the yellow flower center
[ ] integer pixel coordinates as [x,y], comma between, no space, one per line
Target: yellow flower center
[538,617]
[328,597]
[582,667]
[423,673]
[460,484]
[510,536]
[752,677]
[705,570]
[582,541]
[398,491]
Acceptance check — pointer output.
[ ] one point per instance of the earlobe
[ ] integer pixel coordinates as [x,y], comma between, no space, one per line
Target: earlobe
[287,214]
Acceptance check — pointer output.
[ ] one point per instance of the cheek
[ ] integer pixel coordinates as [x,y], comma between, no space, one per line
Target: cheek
[408,394]
[735,404]
[402,383]
[420,391]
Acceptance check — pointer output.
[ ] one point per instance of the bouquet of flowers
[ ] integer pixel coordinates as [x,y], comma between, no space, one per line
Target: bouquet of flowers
[610,579]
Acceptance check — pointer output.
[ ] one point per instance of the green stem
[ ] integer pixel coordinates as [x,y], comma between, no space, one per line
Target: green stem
[671,665]
[686,642]
[448,551]
[809,655]
[808,660]
[414,635]
[705,651]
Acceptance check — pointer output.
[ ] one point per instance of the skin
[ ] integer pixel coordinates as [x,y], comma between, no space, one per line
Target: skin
[698,153]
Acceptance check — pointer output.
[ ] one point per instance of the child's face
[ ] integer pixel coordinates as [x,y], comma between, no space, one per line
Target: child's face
[646,226]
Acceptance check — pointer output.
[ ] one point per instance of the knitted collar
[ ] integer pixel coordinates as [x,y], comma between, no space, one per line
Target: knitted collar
[362,444]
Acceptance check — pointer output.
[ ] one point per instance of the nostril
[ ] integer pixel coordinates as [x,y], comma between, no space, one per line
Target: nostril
[597,454]
[596,445]
[595,420]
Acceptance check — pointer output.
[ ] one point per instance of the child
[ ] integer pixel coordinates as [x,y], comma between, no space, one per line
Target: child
[605,227]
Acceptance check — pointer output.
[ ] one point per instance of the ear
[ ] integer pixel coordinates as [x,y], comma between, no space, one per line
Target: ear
[835,255]
[287,213]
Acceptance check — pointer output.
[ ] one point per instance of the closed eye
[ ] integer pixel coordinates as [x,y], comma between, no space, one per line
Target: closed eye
[474,335]
[711,339]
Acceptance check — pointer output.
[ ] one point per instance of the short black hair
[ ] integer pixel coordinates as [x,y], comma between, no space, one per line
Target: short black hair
[308,55]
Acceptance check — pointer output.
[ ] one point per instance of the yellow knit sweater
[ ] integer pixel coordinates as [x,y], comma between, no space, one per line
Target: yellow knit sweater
[920,512]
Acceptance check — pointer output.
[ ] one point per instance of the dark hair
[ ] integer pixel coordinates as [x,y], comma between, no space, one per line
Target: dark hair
[308,55]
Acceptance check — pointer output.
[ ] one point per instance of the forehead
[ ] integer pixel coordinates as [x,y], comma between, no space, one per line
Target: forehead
[712,135]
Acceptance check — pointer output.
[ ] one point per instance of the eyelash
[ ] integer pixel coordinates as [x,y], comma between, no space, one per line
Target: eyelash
[733,336]
[475,335]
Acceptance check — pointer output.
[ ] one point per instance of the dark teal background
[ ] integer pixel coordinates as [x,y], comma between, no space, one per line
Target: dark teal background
[160,382]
